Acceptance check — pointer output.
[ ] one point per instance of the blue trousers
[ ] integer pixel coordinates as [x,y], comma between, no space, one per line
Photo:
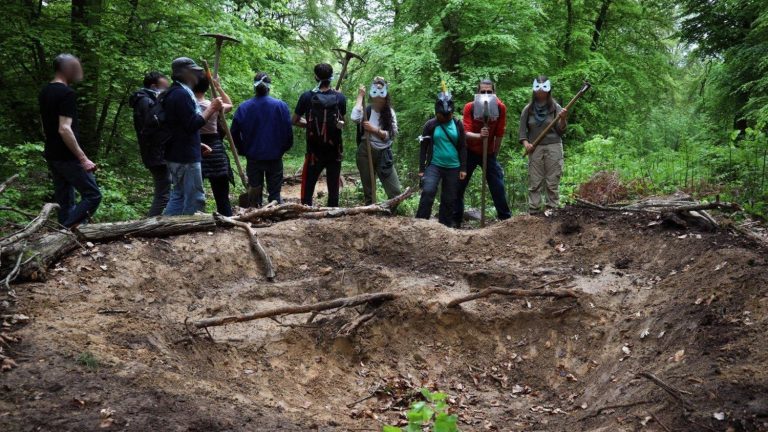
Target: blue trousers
[69,176]
[495,178]
[187,194]
[433,177]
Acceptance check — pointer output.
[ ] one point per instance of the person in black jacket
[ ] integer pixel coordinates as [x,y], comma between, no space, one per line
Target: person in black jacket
[152,157]
[443,159]
[184,118]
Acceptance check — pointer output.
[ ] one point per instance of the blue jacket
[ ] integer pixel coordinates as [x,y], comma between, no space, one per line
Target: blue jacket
[262,128]
[184,122]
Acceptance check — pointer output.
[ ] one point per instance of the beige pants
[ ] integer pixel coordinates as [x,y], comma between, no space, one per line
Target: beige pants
[545,167]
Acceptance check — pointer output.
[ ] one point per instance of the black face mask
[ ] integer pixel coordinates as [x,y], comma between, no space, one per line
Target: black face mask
[444,103]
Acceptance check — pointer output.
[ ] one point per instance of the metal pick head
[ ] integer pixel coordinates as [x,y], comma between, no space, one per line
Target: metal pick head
[220,37]
[348,54]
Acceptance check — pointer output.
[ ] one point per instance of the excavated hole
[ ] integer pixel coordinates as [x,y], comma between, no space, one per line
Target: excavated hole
[520,363]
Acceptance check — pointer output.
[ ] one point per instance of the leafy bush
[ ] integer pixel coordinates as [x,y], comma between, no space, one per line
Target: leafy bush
[431,413]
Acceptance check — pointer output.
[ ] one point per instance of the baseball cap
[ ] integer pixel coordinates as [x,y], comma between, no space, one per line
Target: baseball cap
[182,63]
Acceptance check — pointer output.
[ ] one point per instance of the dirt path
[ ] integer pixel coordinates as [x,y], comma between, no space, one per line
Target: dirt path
[106,331]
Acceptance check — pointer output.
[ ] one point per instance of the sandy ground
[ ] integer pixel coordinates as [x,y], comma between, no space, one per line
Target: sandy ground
[105,347]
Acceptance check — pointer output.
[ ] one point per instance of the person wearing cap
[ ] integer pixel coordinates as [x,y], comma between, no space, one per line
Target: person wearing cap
[442,160]
[477,131]
[183,152]
[545,164]
[321,112]
[263,133]
[71,170]
[381,128]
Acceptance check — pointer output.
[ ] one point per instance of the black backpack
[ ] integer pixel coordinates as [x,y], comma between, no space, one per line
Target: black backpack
[156,132]
[323,114]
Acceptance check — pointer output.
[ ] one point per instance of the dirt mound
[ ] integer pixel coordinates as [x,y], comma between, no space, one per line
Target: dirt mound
[107,343]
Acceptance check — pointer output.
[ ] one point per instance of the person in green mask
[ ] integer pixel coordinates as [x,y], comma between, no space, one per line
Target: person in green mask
[442,160]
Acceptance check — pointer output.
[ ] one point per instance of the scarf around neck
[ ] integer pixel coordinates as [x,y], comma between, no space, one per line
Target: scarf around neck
[540,112]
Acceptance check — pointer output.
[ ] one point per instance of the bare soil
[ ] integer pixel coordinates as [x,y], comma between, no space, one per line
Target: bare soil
[688,307]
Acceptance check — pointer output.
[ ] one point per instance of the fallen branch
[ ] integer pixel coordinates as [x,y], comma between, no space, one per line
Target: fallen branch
[295,210]
[300,309]
[600,410]
[255,244]
[350,327]
[675,393]
[4,185]
[514,292]
[31,228]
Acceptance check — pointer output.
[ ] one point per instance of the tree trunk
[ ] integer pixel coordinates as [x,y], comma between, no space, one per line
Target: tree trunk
[570,20]
[86,16]
[452,49]
[599,24]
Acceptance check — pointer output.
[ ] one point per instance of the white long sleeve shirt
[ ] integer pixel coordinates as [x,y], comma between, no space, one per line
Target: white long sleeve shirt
[376,142]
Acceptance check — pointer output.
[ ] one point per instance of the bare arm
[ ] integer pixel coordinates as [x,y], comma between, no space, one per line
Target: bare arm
[68,136]
[299,121]
[226,102]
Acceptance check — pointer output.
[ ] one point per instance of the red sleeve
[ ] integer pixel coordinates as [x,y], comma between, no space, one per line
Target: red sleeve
[501,125]
[467,117]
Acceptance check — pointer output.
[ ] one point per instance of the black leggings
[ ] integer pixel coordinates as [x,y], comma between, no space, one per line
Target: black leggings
[220,189]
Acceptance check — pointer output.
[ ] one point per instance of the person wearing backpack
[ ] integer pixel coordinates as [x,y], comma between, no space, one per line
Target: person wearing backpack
[182,120]
[477,131]
[152,156]
[215,163]
[321,112]
[262,132]
[381,128]
[442,160]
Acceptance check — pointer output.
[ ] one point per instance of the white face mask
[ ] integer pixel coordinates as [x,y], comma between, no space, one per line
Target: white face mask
[378,92]
[545,86]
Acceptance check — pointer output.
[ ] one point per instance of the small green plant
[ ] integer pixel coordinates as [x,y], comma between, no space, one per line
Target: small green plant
[431,413]
[88,360]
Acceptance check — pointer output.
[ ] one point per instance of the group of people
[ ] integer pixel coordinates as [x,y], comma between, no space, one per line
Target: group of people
[180,134]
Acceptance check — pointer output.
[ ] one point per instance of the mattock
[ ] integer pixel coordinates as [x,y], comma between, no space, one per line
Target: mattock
[347,56]
[220,38]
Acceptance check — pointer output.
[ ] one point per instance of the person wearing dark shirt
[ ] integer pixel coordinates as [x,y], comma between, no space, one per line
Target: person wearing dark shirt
[321,112]
[184,118]
[70,168]
[442,160]
[262,132]
[151,156]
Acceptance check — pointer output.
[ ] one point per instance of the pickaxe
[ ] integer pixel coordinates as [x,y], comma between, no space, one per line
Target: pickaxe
[347,56]
[220,38]
[225,127]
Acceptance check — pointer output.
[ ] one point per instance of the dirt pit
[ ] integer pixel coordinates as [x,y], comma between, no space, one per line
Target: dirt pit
[106,349]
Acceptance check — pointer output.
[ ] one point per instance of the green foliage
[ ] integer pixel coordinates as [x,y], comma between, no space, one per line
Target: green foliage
[672,80]
[88,360]
[431,413]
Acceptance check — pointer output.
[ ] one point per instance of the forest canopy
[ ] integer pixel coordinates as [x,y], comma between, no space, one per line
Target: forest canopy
[679,98]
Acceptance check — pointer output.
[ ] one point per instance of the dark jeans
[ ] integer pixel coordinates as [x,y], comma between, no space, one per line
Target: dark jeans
[272,170]
[162,180]
[220,190]
[313,167]
[68,177]
[433,176]
[495,178]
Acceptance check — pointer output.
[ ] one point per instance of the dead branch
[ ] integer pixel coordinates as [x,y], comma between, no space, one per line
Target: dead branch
[31,228]
[300,309]
[514,292]
[350,327]
[600,410]
[4,185]
[295,210]
[675,393]
[667,206]
[256,246]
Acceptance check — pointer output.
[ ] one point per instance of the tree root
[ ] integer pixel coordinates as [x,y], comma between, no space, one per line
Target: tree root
[300,309]
[514,292]
[256,246]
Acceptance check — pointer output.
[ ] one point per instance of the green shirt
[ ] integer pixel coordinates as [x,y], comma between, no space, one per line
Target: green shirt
[444,154]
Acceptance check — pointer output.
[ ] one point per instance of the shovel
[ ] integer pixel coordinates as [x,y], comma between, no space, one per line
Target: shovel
[486,116]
